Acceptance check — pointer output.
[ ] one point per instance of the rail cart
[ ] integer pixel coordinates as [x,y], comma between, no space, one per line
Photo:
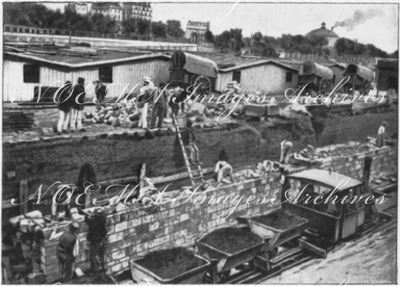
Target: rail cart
[194,275]
[276,229]
[224,261]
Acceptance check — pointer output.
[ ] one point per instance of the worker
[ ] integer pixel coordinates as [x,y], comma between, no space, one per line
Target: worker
[78,99]
[381,134]
[177,95]
[159,99]
[188,140]
[96,237]
[100,91]
[67,250]
[286,148]
[143,100]
[223,170]
[64,107]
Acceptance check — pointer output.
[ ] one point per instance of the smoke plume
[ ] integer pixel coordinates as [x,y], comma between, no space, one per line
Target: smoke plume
[358,18]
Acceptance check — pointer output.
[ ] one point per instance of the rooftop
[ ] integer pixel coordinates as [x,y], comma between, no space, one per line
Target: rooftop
[324,177]
[322,32]
[76,57]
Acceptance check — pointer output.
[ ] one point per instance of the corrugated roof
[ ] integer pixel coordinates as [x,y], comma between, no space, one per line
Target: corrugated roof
[78,58]
[331,179]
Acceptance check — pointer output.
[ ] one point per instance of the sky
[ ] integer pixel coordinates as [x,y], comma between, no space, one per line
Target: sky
[377,23]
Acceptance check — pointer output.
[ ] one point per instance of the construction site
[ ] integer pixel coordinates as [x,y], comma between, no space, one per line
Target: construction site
[218,191]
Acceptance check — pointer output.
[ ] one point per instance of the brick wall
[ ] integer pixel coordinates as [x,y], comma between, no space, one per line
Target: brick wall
[134,231]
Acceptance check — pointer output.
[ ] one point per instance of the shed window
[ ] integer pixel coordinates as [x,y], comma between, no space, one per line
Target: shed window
[236,76]
[289,76]
[105,74]
[31,73]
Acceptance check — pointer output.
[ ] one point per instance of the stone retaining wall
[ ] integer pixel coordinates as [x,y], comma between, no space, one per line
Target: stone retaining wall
[134,231]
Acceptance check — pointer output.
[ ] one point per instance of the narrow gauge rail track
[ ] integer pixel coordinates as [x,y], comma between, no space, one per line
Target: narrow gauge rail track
[250,275]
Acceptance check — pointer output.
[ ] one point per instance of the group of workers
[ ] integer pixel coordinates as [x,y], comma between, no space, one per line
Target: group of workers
[134,109]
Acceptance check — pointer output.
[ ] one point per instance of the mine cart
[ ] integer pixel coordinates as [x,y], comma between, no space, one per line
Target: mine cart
[170,266]
[191,69]
[360,78]
[228,248]
[277,228]
[317,77]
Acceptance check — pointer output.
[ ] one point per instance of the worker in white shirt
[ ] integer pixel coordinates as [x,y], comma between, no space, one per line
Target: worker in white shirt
[286,149]
[143,100]
[381,134]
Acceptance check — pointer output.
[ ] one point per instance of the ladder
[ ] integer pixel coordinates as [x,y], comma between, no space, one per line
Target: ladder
[194,170]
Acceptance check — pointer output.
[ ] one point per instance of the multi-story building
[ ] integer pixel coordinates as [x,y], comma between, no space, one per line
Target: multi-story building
[80,8]
[111,9]
[195,31]
[137,10]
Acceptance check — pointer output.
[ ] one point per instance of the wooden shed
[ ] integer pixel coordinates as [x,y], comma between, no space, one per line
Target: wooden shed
[218,69]
[29,73]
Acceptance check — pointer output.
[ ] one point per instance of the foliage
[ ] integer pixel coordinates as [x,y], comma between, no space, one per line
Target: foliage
[174,29]
[230,40]
[345,46]
[159,29]
[209,37]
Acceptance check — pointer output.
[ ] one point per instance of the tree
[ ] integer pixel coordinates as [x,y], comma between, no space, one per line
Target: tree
[257,36]
[209,37]
[174,29]
[159,29]
[143,26]
[129,26]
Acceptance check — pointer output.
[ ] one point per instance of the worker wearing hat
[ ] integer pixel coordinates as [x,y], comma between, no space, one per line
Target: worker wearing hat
[143,100]
[64,107]
[67,250]
[381,134]
[78,99]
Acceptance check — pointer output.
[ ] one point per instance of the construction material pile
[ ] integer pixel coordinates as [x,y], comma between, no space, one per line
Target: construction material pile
[17,120]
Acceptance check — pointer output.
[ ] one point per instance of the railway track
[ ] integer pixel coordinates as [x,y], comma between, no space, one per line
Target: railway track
[253,276]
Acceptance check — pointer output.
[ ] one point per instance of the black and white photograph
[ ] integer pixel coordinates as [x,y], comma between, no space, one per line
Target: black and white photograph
[200,142]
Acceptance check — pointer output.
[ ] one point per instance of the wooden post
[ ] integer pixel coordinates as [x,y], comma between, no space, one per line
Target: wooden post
[23,196]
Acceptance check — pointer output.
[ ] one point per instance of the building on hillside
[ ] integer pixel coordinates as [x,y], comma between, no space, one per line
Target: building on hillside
[195,31]
[78,7]
[111,9]
[255,74]
[330,35]
[137,10]
[124,11]
[29,74]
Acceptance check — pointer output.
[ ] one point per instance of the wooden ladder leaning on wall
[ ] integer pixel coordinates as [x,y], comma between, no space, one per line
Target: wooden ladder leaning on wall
[196,175]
